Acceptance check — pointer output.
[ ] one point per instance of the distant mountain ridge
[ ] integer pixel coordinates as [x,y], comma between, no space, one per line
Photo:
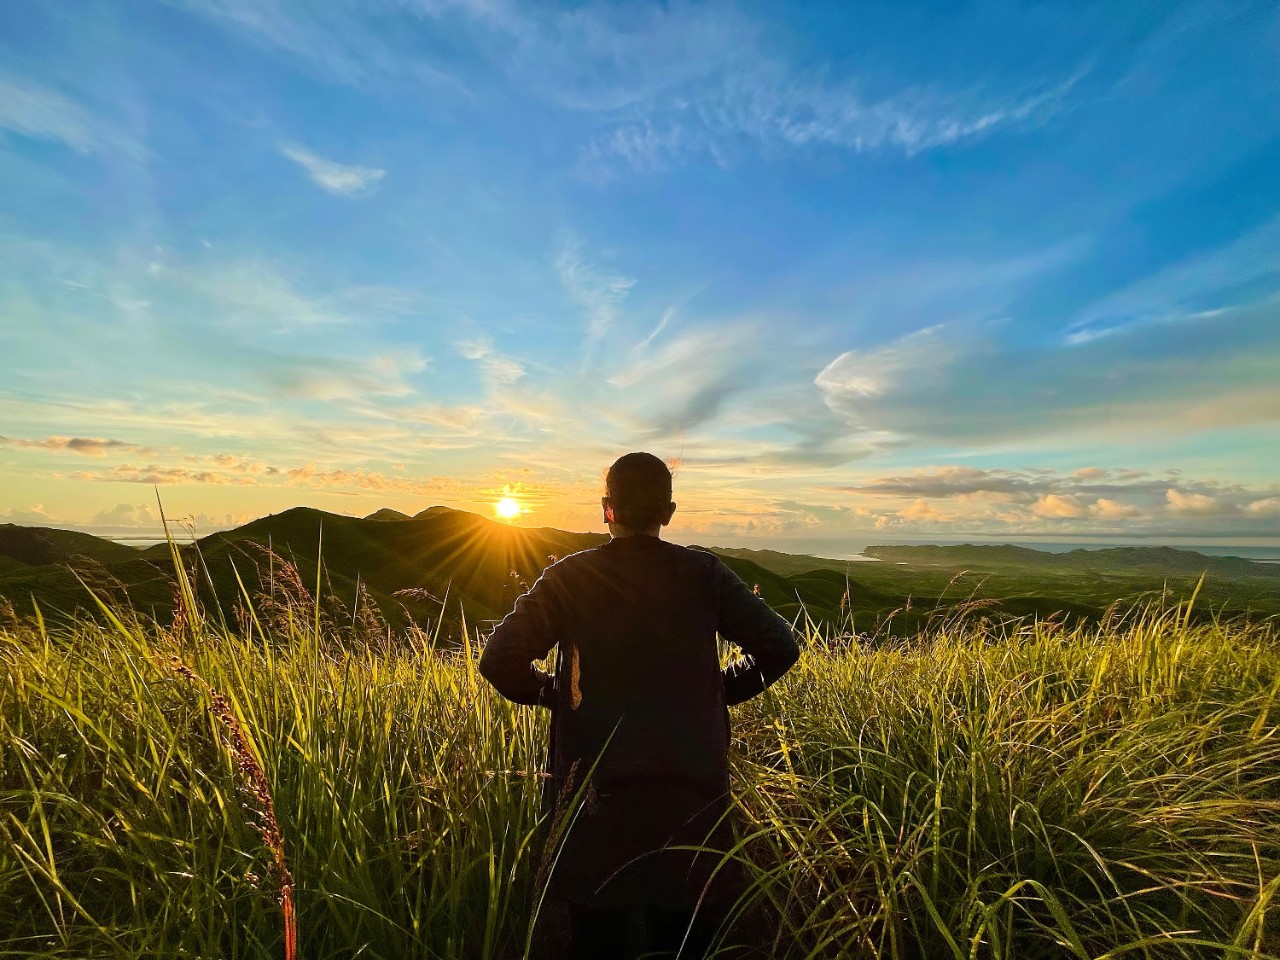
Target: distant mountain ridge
[387,513]
[448,565]
[35,546]
[1169,559]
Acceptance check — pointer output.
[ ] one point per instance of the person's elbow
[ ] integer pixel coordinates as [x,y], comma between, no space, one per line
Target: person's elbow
[790,653]
[785,656]
[512,681]
[491,668]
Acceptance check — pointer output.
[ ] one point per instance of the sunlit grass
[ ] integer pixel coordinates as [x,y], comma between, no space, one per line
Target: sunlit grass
[1006,792]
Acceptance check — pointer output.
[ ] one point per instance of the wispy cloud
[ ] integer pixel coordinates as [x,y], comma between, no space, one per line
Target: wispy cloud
[599,292]
[338,40]
[775,107]
[334,378]
[686,380]
[236,471]
[39,112]
[1191,289]
[499,370]
[341,180]
[85,446]
[657,85]
[974,383]
[159,474]
[45,114]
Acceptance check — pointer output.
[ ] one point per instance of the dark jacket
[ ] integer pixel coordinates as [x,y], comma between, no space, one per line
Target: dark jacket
[638,705]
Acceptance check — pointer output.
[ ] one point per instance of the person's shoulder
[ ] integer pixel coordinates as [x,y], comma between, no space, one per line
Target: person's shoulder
[699,555]
[573,560]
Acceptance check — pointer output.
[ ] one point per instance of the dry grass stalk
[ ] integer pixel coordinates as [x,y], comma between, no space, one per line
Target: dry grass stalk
[285,600]
[252,782]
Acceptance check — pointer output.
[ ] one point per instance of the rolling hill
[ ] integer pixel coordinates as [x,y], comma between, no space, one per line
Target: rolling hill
[36,546]
[444,565]
[1114,559]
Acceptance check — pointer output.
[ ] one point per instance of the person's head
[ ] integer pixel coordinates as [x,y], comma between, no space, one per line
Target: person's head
[637,495]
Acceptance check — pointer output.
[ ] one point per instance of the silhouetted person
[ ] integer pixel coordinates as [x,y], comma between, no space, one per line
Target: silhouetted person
[639,725]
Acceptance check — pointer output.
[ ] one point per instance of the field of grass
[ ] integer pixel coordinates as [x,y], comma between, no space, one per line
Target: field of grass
[996,791]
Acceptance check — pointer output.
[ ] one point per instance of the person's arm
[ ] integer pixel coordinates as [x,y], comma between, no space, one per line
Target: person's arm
[768,644]
[526,635]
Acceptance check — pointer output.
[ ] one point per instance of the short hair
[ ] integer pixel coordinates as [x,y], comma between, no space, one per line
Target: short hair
[638,486]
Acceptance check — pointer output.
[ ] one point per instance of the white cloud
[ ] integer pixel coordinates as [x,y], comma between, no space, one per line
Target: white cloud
[475,348]
[336,178]
[1090,499]
[1268,507]
[658,83]
[1088,473]
[263,296]
[684,80]
[504,369]
[1169,295]
[600,293]
[775,106]
[126,515]
[498,370]
[922,510]
[685,381]
[970,383]
[85,446]
[336,39]
[44,114]
[1106,509]
[35,515]
[1196,504]
[333,378]
[1057,506]
[41,113]
[863,375]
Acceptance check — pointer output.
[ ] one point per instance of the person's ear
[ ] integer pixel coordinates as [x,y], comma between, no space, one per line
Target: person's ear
[671,509]
[607,509]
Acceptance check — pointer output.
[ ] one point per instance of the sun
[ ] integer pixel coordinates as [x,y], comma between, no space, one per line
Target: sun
[508,508]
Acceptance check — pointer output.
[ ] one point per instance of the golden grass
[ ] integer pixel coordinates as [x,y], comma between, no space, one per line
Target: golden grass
[1019,791]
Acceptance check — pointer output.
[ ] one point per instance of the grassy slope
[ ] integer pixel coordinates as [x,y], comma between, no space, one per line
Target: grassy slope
[386,513]
[36,546]
[1021,581]
[1046,793]
[483,565]
[1112,559]
[1087,578]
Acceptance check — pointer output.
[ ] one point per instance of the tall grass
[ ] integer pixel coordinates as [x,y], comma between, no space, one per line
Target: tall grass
[1016,791]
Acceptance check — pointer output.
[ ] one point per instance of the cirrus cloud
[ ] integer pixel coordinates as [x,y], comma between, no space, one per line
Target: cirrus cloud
[341,180]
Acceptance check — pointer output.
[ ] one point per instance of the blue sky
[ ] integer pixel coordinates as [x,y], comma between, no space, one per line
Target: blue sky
[870,271]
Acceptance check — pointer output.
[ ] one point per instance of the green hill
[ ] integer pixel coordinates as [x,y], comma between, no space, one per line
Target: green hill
[444,565]
[785,564]
[386,513]
[1114,559]
[36,546]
